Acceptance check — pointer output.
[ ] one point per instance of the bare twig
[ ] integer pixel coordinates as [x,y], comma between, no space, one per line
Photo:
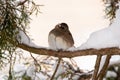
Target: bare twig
[73,62]
[22,3]
[104,69]
[35,60]
[56,69]
[97,65]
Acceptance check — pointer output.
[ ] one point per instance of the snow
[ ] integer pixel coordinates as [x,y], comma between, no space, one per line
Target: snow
[23,38]
[111,74]
[19,70]
[31,70]
[3,77]
[107,37]
[115,61]
[19,67]
[41,76]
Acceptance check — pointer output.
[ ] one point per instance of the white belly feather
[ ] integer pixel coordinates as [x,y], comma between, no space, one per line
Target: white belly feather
[57,43]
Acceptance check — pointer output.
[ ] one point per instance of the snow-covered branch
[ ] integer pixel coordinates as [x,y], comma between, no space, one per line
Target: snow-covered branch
[70,54]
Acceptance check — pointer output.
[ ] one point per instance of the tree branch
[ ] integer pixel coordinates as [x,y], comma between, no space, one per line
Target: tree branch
[56,69]
[104,68]
[97,65]
[70,54]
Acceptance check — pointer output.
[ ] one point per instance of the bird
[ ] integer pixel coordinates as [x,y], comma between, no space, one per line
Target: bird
[60,38]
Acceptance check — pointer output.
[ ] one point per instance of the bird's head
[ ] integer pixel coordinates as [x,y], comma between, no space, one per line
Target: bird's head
[62,26]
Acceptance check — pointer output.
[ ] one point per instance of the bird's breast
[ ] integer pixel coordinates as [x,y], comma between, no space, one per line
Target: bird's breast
[58,42]
[61,43]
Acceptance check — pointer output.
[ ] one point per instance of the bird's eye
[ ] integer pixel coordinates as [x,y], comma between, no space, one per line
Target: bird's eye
[62,27]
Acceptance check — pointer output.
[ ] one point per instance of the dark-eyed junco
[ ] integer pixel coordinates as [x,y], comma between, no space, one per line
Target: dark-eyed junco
[60,37]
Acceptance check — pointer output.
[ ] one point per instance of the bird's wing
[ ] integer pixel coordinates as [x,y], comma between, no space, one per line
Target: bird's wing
[69,39]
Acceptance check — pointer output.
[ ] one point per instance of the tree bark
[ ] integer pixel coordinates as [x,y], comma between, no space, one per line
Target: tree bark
[70,54]
[104,68]
[96,69]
